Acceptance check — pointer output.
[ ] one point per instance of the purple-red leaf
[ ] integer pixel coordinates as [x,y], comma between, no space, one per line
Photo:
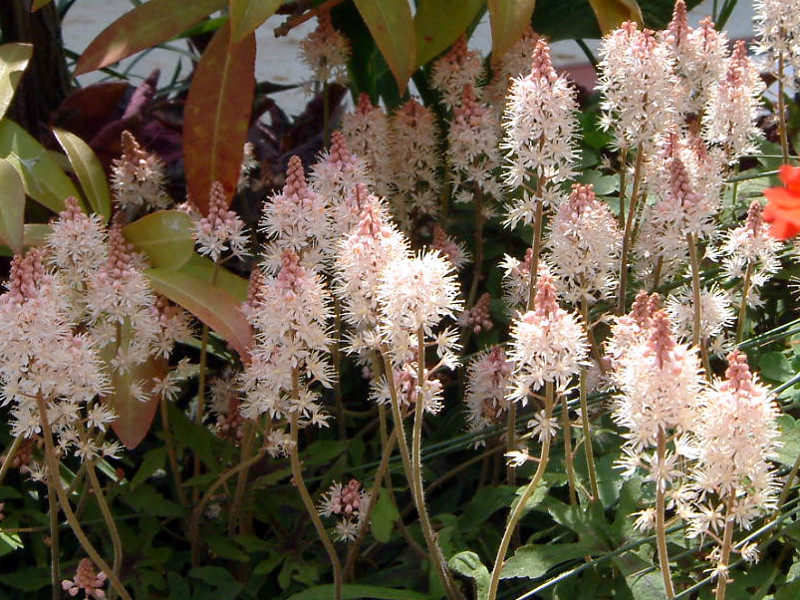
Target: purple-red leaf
[212,304]
[217,115]
[147,25]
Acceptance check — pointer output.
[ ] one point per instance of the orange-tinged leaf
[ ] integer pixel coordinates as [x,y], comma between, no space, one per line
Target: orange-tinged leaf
[392,27]
[134,417]
[37,4]
[217,115]
[508,19]
[89,171]
[248,15]
[439,23]
[164,236]
[12,207]
[147,25]
[612,13]
[212,304]
[14,60]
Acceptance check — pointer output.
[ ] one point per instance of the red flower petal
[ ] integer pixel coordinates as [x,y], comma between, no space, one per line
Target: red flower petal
[785,221]
[790,176]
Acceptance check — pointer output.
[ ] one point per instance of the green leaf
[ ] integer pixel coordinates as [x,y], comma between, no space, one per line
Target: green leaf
[14,60]
[35,234]
[199,439]
[439,23]
[534,560]
[469,564]
[44,180]
[150,501]
[89,171]
[612,13]
[9,542]
[775,366]
[489,500]
[789,439]
[384,516]
[152,462]
[213,305]
[248,15]
[647,586]
[508,19]
[147,25]
[355,592]
[27,580]
[217,115]
[203,268]
[12,207]
[268,565]
[323,452]
[164,236]
[223,547]
[392,27]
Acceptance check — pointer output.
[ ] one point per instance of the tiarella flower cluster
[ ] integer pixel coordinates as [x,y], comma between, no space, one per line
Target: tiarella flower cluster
[716,315]
[361,258]
[350,503]
[415,156]
[221,230]
[296,219]
[736,434]
[458,69]
[777,27]
[487,382]
[729,123]
[659,383]
[516,62]
[341,180]
[290,354]
[750,253]
[516,279]
[87,580]
[137,177]
[368,136]
[451,249]
[43,359]
[474,134]
[584,246]
[548,344]
[540,125]
[326,52]
[638,86]
[700,56]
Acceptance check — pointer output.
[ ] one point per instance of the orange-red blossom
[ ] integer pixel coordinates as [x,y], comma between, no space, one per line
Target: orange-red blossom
[783,204]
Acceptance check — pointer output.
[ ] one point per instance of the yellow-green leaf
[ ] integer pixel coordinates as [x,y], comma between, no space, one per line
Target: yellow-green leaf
[44,180]
[438,23]
[164,236]
[212,304]
[203,269]
[248,15]
[612,13]
[89,171]
[12,207]
[35,234]
[14,60]
[392,27]
[147,25]
[508,19]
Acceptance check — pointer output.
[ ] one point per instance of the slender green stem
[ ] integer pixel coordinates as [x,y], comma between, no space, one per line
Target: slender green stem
[9,457]
[627,239]
[74,523]
[697,333]
[326,115]
[336,358]
[519,509]
[511,440]
[787,486]
[725,550]
[311,509]
[416,474]
[55,546]
[587,436]
[172,456]
[234,519]
[741,323]
[661,526]
[623,174]
[782,112]
[566,425]
[383,467]
[538,228]
[108,517]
